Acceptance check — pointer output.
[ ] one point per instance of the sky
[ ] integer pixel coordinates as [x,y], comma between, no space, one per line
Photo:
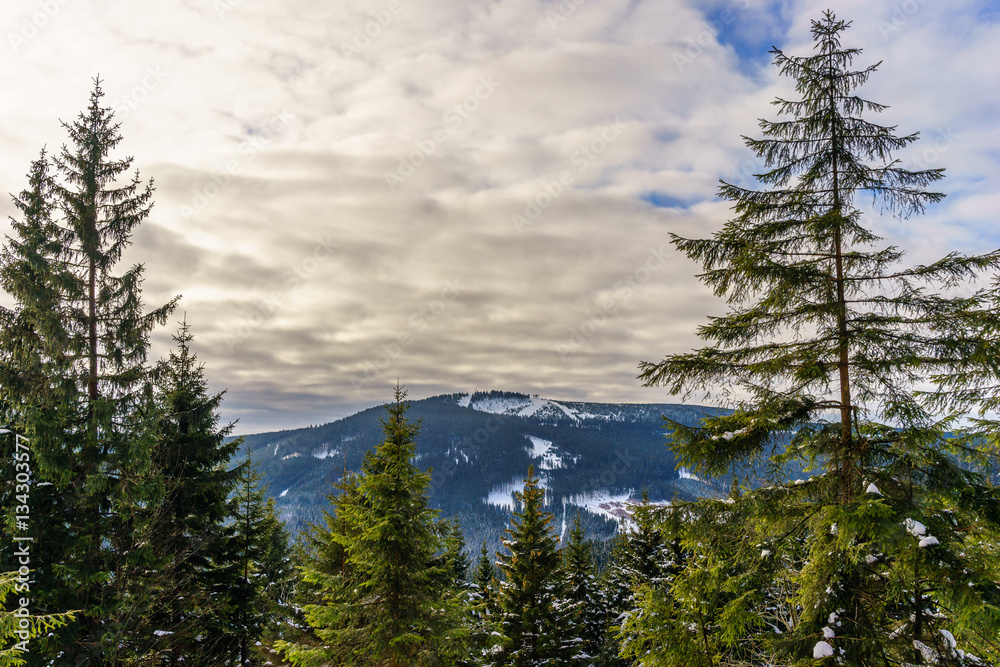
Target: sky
[465,194]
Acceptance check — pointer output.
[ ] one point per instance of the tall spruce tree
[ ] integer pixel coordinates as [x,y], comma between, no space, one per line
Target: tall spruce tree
[392,601]
[188,526]
[251,570]
[482,610]
[75,380]
[583,631]
[827,336]
[529,595]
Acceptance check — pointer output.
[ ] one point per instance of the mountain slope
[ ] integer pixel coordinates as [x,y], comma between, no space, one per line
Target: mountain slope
[593,457]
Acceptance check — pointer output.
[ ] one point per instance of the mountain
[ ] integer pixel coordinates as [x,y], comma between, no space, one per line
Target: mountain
[593,459]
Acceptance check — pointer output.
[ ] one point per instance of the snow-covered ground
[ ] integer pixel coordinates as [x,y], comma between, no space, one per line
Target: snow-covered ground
[546,451]
[604,503]
[522,407]
[503,495]
[684,473]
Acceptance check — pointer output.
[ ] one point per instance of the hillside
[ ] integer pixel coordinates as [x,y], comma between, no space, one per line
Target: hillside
[593,458]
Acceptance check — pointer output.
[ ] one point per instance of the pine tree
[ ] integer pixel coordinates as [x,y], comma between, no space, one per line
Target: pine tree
[75,379]
[583,630]
[528,597]
[886,545]
[187,527]
[251,571]
[392,602]
[483,610]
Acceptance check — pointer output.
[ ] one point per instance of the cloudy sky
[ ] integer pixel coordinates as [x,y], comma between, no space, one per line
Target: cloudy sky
[464,194]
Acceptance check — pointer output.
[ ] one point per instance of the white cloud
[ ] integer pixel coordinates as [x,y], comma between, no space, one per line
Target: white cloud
[269,139]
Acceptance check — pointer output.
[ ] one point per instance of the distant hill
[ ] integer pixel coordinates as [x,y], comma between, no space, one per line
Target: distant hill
[593,458]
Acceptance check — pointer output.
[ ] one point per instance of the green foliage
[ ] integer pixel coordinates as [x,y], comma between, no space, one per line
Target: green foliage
[75,382]
[252,571]
[18,629]
[379,587]
[582,603]
[529,597]
[824,323]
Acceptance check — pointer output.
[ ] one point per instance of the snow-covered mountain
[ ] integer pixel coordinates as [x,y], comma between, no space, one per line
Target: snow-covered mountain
[593,458]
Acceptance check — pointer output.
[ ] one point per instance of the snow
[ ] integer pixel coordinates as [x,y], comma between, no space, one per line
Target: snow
[291,456]
[544,450]
[684,473]
[325,453]
[822,650]
[828,632]
[915,527]
[503,495]
[872,489]
[764,553]
[284,493]
[616,506]
[929,541]
[926,652]
[520,406]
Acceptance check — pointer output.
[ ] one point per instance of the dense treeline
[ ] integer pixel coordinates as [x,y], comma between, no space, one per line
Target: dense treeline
[153,543]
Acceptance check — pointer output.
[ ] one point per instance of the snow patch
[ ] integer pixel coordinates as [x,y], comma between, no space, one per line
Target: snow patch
[465,400]
[325,453]
[284,493]
[604,503]
[503,495]
[822,650]
[291,456]
[545,450]
[915,527]
[684,473]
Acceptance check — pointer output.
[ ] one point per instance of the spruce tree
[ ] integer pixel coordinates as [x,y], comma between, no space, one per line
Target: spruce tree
[187,527]
[75,380]
[392,602]
[583,631]
[826,338]
[483,610]
[529,594]
[250,572]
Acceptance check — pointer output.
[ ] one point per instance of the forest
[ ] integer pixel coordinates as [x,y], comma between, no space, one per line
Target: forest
[136,533]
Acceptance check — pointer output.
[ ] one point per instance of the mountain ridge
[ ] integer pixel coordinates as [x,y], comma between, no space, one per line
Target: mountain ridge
[593,458]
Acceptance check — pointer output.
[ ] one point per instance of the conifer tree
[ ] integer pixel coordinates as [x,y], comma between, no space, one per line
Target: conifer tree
[483,609]
[250,571]
[400,607]
[75,379]
[582,603]
[187,527]
[827,336]
[529,594]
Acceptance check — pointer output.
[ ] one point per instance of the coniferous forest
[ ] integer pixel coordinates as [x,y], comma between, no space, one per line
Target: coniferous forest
[138,532]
